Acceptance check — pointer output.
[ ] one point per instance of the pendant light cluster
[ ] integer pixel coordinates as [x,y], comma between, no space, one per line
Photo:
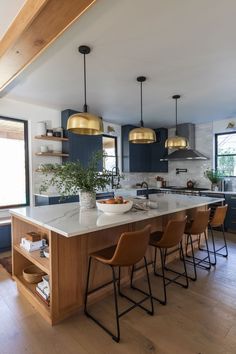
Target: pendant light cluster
[176,142]
[85,123]
[142,135]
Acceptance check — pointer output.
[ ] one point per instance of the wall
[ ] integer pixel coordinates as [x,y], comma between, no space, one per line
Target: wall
[33,114]
[195,169]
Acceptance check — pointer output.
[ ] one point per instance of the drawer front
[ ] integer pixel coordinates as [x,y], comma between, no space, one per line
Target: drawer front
[230,220]
[231,200]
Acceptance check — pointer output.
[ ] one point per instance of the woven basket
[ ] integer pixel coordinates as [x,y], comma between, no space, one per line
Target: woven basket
[33,274]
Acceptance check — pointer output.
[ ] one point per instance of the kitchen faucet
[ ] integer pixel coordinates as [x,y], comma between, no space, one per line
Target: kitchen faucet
[115,175]
[144,184]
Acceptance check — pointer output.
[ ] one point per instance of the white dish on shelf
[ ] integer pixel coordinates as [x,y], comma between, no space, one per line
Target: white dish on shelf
[111,209]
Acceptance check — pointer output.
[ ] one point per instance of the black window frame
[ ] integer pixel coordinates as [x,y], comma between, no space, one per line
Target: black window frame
[216,151]
[26,140]
[116,152]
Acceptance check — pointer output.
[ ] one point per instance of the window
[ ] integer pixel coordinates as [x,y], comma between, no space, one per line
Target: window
[14,176]
[110,153]
[225,160]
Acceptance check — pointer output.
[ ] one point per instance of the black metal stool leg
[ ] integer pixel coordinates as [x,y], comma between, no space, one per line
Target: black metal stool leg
[87,286]
[117,337]
[163,302]
[225,242]
[184,262]
[194,261]
[208,252]
[149,287]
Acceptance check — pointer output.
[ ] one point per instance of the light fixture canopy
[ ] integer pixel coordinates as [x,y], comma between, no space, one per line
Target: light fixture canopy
[85,123]
[142,135]
[176,142]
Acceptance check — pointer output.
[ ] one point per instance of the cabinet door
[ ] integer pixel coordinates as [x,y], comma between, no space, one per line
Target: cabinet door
[230,220]
[135,157]
[80,147]
[158,151]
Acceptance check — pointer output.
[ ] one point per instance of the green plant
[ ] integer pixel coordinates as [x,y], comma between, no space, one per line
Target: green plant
[70,177]
[213,175]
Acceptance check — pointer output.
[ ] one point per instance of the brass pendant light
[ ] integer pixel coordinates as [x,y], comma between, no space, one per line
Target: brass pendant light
[176,142]
[142,135]
[85,123]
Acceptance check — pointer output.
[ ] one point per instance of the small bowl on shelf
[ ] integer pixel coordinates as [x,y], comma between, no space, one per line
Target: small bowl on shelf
[110,208]
[33,274]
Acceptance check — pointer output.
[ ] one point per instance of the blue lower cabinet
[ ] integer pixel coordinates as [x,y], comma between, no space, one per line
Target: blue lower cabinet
[143,191]
[5,237]
[40,200]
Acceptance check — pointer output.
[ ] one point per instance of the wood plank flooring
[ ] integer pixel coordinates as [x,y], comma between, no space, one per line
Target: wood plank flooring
[199,320]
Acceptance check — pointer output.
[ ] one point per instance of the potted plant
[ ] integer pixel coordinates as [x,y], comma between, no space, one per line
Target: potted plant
[214,177]
[71,178]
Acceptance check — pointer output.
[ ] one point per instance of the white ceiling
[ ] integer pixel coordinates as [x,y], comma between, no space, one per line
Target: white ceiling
[8,11]
[182,46]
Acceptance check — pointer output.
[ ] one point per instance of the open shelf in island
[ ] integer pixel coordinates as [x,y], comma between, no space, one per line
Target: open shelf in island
[34,257]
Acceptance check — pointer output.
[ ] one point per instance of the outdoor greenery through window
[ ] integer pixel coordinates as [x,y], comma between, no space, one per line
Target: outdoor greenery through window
[226,153]
[110,153]
[14,187]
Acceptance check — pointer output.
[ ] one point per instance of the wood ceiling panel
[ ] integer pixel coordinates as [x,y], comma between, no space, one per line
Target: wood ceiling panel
[38,24]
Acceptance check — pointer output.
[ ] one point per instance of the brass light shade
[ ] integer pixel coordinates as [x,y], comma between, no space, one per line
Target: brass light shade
[176,142]
[85,123]
[142,135]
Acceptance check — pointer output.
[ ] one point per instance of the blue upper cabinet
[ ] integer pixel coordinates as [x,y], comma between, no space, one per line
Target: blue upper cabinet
[79,147]
[158,151]
[144,157]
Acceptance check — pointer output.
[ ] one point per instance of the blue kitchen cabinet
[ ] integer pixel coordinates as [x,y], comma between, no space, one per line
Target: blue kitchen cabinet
[230,220]
[5,237]
[41,200]
[79,147]
[144,157]
[158,151]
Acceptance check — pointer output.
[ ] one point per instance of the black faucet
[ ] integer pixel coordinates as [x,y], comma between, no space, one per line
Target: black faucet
[142,185]
[115,175]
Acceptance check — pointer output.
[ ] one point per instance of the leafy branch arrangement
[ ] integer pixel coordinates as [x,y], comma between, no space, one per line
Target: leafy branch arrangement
[70,177]
[213,175]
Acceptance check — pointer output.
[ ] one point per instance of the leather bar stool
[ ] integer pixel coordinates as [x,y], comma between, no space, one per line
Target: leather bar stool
[198,226]
[130,249]
[164,240]
[217,221]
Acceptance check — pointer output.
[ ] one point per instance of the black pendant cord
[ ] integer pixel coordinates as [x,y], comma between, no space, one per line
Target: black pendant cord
[141,102]
[176,116]
[85,87]
[176,97]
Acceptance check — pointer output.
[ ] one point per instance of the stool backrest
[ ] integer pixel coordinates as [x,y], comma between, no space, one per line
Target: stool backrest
[219,216]
[131,247]
[200,222]
[173,233]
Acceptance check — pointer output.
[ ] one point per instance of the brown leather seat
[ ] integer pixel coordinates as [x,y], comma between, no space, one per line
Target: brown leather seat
[130,249]
[163,240]
[217,221]
[219,216]
[198,226]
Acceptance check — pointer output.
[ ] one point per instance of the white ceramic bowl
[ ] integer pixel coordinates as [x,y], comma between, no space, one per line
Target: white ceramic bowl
[111,209]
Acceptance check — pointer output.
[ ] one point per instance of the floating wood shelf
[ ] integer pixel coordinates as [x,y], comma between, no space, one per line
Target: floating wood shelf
[34,257]
[57,154]
[52,138]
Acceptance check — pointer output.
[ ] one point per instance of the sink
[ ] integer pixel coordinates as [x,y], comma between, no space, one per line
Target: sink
[141,197]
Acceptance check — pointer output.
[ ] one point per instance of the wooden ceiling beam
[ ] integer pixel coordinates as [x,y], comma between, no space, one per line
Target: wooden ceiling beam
[38,24]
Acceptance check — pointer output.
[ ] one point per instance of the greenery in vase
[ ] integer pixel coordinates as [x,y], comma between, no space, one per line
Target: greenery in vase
[214,176]
[71,177]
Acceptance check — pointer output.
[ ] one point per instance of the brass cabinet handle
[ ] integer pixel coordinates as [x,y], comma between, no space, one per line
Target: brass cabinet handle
[232,197]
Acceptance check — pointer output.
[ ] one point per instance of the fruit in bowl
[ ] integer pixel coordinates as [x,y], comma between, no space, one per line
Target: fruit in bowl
[117,205]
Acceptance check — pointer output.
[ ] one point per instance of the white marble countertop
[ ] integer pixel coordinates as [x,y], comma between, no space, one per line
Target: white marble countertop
[68,220]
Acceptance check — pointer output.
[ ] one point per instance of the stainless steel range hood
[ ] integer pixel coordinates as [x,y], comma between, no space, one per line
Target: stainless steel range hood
[188,131]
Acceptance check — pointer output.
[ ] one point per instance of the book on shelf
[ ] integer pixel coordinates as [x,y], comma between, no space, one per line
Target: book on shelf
[31,246]
[44,288]
[43,296]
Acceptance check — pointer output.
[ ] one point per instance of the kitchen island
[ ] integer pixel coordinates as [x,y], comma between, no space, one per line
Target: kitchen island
[72,235]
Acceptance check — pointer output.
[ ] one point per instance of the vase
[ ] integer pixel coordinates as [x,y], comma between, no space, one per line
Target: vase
[87,200]
[214,187]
